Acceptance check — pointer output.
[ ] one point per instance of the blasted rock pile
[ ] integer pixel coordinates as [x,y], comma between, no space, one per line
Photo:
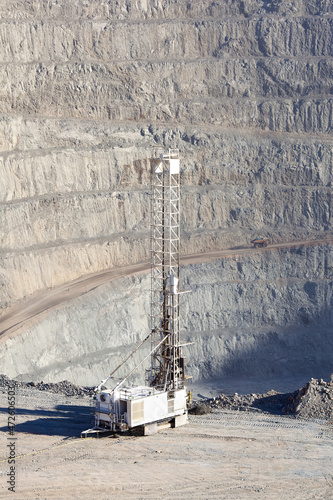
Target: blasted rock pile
[64,387]
[271,402]
[314,400]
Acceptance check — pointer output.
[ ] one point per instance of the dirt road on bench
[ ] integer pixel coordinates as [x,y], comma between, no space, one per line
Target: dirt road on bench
[28,310]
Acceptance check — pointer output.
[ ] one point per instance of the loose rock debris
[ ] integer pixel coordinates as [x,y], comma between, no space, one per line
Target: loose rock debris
[64,387]
[314,400]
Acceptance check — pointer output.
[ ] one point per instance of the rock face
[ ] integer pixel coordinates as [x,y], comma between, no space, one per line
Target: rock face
[256,316]
[89,89]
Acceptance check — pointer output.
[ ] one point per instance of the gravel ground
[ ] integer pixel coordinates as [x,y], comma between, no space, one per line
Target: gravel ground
[225,454]
[268,450]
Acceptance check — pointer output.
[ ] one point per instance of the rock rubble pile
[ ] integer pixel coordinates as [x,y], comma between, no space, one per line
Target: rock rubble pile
[314,400]
[64,387]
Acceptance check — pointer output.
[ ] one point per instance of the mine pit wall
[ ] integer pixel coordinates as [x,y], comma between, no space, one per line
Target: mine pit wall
[243,89]
[264,314]
[73,212]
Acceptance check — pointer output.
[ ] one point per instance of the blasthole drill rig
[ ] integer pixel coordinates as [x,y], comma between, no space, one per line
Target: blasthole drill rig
[164,397]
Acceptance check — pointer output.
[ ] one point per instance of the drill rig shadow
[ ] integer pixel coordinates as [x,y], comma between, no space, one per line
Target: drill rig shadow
[163,400]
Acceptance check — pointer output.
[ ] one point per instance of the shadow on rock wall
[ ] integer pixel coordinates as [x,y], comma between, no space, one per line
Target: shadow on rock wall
[299,350]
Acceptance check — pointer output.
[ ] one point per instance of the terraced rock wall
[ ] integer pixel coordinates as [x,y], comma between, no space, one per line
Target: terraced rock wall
[244,89]
[89,89]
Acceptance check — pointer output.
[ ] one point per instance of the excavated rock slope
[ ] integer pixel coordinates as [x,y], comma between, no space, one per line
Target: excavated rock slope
[264,315]
[89,89]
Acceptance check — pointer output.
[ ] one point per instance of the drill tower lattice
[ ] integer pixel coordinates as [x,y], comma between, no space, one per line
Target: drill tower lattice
[167,364]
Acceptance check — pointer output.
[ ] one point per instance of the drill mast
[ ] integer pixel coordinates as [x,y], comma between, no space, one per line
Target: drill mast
[167,364]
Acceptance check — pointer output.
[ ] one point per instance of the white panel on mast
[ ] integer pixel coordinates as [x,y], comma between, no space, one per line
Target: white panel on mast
[174,166]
